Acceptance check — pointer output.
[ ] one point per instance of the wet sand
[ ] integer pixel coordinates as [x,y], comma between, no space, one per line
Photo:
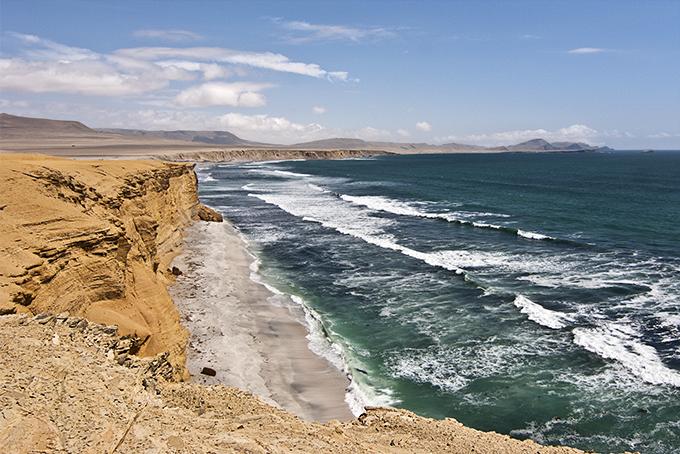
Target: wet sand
[252,338]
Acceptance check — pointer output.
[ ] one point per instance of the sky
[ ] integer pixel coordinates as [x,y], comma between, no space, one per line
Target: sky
[478,72]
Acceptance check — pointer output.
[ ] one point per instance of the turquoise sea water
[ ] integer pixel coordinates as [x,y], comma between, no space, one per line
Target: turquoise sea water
[533,295]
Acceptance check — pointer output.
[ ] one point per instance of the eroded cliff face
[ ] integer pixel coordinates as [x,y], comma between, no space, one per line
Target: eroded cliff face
[95,238]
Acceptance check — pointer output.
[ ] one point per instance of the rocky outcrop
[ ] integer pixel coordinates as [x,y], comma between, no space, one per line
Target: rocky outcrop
[64,388]
[205,213]
[95,239]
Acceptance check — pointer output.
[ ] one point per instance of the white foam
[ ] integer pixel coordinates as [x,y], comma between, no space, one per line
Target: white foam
[280,173]
[486,225]
[533,235]
[333,213]
[539,314]
[618,342]
[205,177]
[380,203]
[357,397]
[452,367]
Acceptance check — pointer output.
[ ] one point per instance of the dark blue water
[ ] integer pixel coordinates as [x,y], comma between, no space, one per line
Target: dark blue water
[534,295]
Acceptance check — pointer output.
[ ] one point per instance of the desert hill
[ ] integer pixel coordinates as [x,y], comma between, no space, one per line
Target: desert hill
[72,138]
[12,125]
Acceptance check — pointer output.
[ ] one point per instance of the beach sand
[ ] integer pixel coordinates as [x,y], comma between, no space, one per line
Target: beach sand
[252,338]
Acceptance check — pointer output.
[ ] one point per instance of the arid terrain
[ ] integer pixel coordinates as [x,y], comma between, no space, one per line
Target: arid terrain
[74,139]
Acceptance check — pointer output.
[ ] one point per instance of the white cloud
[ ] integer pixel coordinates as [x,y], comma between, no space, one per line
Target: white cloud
[587,50]
[40,48]
[304,32]
[263,122]
[241,94]
[168,35]
[210,71]
[573,133]
[423,126]
[530,36]
[47,66]
[264,60]
[319,110]
[82,77]
[403,133]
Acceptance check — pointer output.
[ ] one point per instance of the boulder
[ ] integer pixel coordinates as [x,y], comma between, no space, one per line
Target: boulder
[209,371]
[205,213]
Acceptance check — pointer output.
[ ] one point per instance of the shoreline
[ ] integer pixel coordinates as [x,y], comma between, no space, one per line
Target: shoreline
[253,338]
[84,307]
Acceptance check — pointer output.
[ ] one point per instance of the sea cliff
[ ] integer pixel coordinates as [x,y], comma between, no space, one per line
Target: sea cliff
[92,350]
[95,239]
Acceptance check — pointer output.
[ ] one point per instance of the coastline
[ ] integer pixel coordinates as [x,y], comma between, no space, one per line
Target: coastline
[91,242]
[253,338]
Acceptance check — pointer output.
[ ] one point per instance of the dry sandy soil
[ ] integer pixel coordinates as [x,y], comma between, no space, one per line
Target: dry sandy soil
[61,390]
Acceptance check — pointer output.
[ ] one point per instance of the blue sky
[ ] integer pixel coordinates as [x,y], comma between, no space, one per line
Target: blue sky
[483,72]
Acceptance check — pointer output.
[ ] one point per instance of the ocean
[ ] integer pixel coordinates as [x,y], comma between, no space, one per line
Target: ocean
[536,295]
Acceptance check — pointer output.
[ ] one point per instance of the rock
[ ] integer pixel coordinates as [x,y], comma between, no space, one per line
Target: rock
[72,322]
[43,318]
[111,330]
[209,371]
[205,213]
[7,309]
[20,296]
[176,271]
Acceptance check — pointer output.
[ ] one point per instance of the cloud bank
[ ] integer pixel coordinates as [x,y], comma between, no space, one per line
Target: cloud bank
[573,133]
[45,66]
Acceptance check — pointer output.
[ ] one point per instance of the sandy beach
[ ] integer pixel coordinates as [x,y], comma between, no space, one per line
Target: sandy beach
[252,338]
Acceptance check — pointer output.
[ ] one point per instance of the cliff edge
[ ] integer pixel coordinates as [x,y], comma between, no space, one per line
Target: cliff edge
[95,238]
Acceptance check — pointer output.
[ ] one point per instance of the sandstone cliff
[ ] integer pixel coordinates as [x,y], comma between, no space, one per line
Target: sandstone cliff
[95,239]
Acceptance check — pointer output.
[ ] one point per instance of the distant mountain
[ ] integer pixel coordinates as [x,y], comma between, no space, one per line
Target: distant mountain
[13,126]
[343,143]
[543,145]
[337,142]
[534,145]
[211,137]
